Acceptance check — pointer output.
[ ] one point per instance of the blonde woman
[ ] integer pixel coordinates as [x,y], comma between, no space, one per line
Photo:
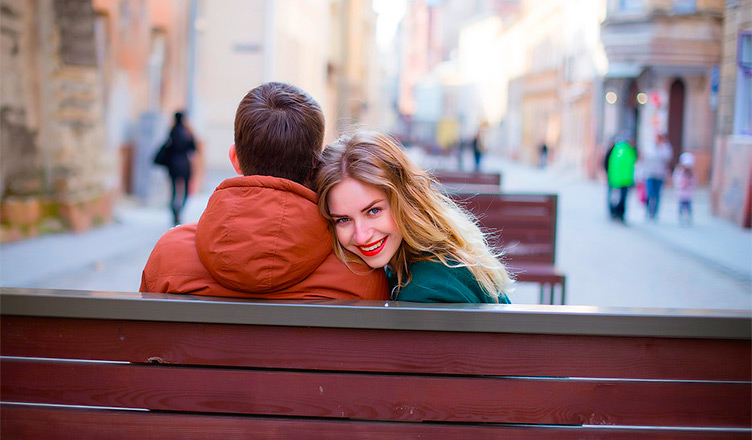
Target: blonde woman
[384,210]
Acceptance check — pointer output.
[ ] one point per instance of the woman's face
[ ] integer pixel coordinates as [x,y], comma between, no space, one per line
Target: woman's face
[364,222]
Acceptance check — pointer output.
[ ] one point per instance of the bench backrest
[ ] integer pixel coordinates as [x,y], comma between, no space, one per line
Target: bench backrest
[522,225]
[464,180]
[77,365]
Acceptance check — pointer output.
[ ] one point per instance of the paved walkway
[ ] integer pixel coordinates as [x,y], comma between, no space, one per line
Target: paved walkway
[643,264]
[708,265]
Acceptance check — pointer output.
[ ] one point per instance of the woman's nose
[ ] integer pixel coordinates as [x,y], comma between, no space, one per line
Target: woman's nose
[363,233]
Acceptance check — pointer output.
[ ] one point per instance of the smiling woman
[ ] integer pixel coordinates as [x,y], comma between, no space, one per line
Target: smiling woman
[384,210]
[363,221]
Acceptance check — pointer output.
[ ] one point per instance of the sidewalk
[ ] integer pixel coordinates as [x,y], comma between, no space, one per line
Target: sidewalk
[663,264]
[712,240]
[108,258]
[708,265]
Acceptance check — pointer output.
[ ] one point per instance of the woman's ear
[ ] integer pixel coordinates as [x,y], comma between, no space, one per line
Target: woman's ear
[234,160]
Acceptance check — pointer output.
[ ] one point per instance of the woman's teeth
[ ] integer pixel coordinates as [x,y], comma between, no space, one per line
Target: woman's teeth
[373,246]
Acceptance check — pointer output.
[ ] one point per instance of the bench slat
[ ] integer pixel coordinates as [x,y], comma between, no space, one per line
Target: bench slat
[453,178]
[377,397]
[25,422]
[396,351]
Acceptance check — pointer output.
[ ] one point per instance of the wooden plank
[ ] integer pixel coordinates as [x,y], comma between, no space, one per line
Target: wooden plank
[537,214]
[392,315]
[24,422]
[469,188]
[378,397]
[503,222]
[396,351]
[525,228]
[453,177]
[536,273]
[512,199]
[524,236]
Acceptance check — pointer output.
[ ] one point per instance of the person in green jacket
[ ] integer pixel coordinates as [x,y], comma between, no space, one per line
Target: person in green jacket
[385,211]
[619,163]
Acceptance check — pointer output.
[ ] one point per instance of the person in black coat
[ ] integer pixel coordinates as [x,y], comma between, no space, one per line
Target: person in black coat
[182,146]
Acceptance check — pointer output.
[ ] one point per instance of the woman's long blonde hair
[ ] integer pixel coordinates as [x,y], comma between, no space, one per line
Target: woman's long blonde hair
[433,227]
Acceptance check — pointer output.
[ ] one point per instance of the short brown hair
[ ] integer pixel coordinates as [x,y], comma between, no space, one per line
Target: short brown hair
[279,131]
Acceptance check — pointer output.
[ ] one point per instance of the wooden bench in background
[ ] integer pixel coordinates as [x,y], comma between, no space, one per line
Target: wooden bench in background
[93,365]
[526,225]
[468,181]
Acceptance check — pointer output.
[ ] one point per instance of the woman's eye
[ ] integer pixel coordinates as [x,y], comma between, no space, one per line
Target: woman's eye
[341,220]
[374,210]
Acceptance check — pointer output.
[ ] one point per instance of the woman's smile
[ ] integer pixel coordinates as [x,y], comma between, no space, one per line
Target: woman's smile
[374,248]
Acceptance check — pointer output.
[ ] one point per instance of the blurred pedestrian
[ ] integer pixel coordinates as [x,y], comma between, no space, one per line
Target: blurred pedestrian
[478,146]
[684,183]
[619,163]
[543,156]
[181,145]
[654,165]
[640,187]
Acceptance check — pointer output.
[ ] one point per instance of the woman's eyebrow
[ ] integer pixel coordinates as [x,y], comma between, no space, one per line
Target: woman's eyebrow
[367,208]
[370,205]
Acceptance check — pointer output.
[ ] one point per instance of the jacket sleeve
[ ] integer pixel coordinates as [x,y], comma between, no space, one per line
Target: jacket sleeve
[173,265]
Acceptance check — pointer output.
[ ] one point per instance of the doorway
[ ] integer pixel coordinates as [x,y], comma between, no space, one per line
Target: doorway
[676,118]
[632,114]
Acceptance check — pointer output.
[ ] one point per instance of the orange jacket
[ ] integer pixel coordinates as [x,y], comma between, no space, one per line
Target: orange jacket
[259,237]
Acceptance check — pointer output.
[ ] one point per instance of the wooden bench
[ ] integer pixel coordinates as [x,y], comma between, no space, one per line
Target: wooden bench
[93,365]
[468,181]
[526,226]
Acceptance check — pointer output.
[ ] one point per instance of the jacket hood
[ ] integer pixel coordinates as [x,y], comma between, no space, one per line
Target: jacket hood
[262,233]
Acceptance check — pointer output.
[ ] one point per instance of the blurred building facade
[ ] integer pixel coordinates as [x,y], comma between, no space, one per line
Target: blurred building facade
[89,88]
[419,53]
[438,103]
[553,81]
[577,74]
[76,77]
[662,55]
[531,69]
[731,186]
[325,47]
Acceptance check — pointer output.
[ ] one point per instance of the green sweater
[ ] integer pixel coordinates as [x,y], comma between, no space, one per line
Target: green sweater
[434,282]
[621,164]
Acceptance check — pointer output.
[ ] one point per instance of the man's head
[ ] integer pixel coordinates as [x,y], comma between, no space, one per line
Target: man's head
[279,131]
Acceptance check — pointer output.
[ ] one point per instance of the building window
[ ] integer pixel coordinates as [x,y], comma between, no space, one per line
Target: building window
[685,6]
[743,101]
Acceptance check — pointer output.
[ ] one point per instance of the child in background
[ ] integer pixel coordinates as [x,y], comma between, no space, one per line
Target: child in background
[684,183]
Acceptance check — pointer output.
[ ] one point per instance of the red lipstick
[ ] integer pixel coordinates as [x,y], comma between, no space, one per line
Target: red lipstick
[373,252]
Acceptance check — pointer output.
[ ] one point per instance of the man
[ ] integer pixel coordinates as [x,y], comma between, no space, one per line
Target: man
[619,163]
[655,166]
[261,235]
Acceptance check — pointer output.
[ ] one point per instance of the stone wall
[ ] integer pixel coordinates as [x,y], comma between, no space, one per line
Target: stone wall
[51,117]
